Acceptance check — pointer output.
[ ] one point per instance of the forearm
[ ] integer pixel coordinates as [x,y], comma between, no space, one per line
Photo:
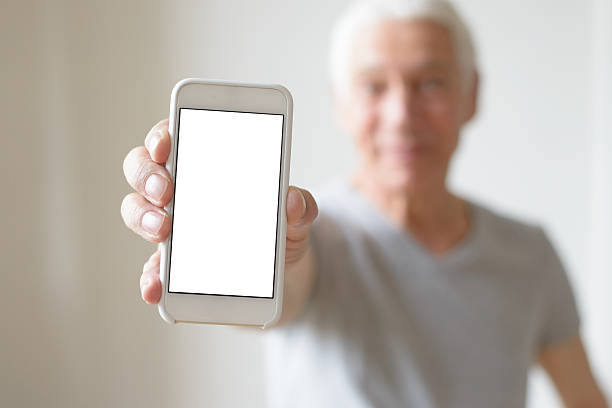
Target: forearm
[298,285]
[300,268]
[567,364]
[297,289]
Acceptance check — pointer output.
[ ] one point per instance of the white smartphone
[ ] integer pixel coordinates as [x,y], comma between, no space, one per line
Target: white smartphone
[223,262]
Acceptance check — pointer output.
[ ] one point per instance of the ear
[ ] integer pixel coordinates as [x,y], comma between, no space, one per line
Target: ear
[472,99]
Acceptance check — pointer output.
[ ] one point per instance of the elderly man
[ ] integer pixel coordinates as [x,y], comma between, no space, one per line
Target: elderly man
[400,293]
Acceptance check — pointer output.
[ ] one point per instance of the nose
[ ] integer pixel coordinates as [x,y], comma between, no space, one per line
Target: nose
[401,107]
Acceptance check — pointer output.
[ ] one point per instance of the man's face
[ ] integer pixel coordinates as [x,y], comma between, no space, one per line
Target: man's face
[405,103]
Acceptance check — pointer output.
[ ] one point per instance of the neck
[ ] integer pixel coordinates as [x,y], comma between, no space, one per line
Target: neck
[434,215]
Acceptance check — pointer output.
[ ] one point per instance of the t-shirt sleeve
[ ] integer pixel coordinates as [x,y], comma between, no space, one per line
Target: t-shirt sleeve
[560,317]
[322,237]
[323,240]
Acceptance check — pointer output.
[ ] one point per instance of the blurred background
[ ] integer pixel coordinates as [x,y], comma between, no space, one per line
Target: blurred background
[83,81]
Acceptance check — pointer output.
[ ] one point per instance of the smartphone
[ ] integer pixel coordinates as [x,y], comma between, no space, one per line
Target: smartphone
[223,262]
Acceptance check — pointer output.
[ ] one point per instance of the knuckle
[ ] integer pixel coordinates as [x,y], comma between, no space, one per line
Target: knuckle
[132,163]
[131,157]
[130,210]
[135,165]
[140,167]
[160,128]
[126,164]
[141,173]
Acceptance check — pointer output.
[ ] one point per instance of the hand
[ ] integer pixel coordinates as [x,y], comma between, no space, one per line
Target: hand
[143,213]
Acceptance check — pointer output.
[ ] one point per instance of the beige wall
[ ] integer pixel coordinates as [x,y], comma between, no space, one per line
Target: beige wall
[83,81]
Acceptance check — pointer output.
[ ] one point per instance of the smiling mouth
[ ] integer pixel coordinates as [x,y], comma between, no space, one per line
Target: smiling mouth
[407,153]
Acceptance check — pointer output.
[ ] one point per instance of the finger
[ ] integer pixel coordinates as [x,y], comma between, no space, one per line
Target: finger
[301,212]
[147,177]
[145,219]
[158,143]
[150,284]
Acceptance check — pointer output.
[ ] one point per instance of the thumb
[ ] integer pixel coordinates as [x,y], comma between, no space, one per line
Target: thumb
[301,212]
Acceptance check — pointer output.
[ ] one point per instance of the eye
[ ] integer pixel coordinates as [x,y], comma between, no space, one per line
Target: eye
[431,84]
[373,87]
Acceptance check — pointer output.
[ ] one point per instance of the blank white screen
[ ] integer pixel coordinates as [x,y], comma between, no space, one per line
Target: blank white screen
[226,203]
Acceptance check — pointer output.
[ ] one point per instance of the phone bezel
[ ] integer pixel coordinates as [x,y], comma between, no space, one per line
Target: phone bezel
[199,93]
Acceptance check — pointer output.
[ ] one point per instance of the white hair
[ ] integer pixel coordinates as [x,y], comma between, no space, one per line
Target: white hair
[364,14]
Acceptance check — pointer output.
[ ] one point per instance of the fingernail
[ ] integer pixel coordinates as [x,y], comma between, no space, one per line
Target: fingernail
[152,222]
[152,141]
[298,192]
[156,186]
[303,203]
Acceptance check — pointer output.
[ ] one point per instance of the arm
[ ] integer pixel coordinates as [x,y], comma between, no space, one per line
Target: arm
[567,365]
[299,281]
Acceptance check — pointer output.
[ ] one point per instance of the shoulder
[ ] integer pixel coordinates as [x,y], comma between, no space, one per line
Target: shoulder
[338,230]
[332,202]
[335,204]
[331,194]
[508,226]
[514,237]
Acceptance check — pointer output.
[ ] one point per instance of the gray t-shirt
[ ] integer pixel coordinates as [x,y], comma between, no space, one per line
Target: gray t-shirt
[390,324]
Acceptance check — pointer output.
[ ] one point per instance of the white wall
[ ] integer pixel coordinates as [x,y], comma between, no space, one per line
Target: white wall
[530,151]
[84,81]
[599,283]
